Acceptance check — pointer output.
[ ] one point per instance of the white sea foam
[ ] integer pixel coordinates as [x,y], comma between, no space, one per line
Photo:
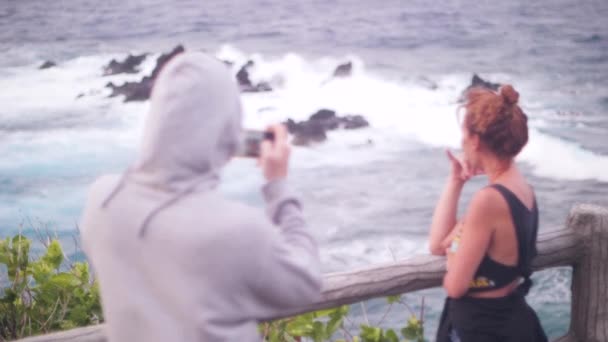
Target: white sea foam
[46,127]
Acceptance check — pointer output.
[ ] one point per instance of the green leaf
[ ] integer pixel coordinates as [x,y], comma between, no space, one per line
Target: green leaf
[17,257]
[41,271]
[300,330]
[65,281]
[54,255]
[4,251]
[344,310]
[318,332]
[334,323]
[371,334]
[324,313]
[393,299]
[9,296]
[81,270]
[273,336]
[301,326]
[413,321]
[409,332]
[390,336]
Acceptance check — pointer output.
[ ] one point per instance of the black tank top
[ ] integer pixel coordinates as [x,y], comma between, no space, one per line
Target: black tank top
[490,274]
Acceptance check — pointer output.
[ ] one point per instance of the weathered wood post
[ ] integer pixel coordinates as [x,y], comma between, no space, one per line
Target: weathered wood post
[589,314]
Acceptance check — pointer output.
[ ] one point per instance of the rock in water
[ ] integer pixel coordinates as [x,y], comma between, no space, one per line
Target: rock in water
[242,76]
[128,66]
[140,91]
[163,59]
[343,70]
[354,122]
[47,65]
[478,82]
[245,84]
[307,132]
[314,130]
[326,118]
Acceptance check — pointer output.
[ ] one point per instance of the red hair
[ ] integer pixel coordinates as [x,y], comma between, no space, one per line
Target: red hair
[497,119]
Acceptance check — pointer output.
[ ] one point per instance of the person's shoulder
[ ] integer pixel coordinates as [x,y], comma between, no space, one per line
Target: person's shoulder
[97,192]
[102,186]
[487,202]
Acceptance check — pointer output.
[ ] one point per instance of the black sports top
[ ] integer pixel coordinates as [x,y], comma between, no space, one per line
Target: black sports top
[490,274]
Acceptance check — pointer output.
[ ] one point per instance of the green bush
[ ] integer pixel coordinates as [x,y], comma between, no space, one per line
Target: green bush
[43,295]
[40,295]
[324,325]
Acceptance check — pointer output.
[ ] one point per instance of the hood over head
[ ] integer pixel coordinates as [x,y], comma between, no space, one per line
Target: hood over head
[192,130]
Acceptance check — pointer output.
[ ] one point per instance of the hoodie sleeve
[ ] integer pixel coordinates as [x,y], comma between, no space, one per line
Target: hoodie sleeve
[288,273]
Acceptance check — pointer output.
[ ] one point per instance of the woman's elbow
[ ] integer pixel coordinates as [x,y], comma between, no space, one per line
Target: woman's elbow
[454,290]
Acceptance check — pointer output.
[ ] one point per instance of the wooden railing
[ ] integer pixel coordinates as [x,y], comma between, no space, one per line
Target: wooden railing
[582,244]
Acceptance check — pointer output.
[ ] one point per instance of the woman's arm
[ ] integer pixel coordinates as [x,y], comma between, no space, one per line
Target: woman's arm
[477,230]
[444,217]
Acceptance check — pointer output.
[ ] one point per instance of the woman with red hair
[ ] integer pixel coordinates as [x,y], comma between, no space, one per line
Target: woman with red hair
[489,252]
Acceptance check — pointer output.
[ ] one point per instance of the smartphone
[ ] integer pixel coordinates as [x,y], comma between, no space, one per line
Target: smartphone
[252,139]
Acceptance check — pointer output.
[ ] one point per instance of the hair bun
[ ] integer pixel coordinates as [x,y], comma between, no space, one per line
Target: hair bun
[510,95]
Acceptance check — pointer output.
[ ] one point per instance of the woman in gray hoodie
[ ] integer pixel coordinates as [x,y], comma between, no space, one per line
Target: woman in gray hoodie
[177,261]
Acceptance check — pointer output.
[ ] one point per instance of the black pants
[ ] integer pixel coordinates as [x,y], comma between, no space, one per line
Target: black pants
[507,319]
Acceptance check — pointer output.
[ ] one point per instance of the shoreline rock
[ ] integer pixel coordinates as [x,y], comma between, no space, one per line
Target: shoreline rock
[478,82]
[47,65]
[343,70]
[140,91]
[128,66]
[314,130]
[245,84]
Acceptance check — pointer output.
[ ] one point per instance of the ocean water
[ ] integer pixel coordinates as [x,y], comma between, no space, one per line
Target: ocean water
[366,203]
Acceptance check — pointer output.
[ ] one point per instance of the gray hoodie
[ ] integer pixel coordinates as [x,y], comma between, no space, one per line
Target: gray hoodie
[177,261]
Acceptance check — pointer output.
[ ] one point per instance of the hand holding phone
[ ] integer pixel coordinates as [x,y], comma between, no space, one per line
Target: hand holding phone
[274,154]
[252,141]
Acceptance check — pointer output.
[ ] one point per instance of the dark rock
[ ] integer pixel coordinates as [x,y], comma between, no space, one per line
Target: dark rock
[245,84]
[47,65]
[128,66]
[291,125]
[258,88]
[326,118]
[309,132]
[242,76]
[477,83]
[164,58]
[315,129]
[133,91]
[140,91]
[228,63]
[343,70]
[323,114]
[481,83]
[354,122]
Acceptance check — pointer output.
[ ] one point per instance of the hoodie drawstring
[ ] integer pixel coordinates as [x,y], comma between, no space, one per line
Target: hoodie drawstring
[172,200]
[117,188]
